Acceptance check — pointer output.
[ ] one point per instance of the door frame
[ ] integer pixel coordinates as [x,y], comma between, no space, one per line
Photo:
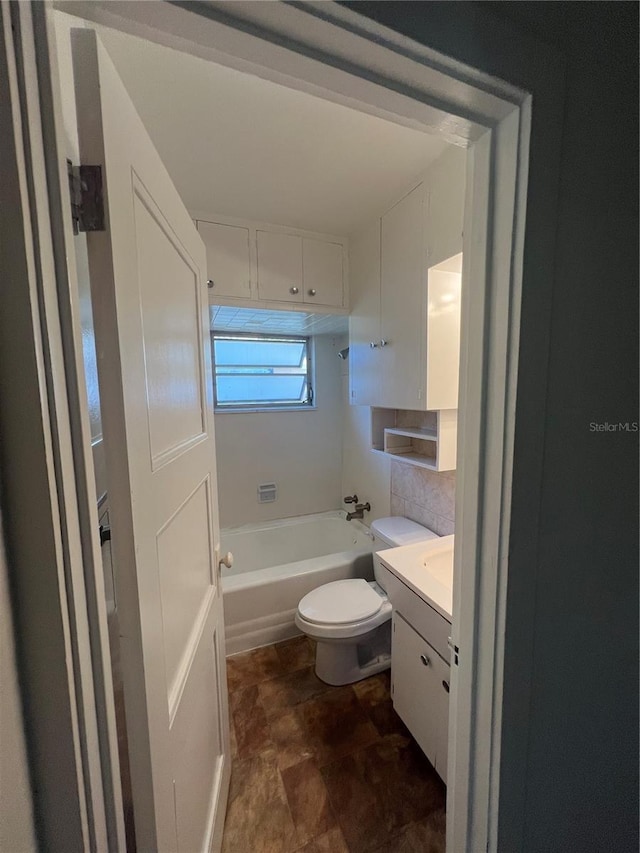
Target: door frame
[330,51]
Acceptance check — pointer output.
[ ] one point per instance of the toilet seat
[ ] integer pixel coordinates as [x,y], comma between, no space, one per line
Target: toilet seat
[378,607]
[340,603]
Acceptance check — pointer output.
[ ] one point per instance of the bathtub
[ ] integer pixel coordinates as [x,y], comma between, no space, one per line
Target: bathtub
[277,562]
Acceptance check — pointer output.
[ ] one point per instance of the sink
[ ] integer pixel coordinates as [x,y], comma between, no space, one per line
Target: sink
[427,569]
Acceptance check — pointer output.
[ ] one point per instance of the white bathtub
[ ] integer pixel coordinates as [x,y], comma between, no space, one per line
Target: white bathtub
[278,562]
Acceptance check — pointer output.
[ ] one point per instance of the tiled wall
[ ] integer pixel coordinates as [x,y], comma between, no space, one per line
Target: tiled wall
[427,497]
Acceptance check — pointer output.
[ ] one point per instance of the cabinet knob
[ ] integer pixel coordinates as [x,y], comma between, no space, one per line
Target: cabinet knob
[227,560]
[312,291]
[210,283]
[294,290]
[425,660]
[373,345]
[383,343]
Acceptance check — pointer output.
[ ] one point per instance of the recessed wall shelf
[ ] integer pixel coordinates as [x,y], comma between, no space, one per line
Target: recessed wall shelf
[425,439]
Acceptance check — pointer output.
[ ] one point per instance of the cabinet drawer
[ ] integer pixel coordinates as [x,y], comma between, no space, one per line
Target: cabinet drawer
[420,687]
[421,615]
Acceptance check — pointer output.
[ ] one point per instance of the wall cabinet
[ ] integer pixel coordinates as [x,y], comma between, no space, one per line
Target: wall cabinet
[405,320]
[269,266]
[420,690]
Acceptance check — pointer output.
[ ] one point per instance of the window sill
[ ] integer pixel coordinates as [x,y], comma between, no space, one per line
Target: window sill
[271,409]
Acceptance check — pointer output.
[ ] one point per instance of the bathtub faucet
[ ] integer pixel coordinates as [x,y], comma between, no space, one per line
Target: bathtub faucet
[360,509]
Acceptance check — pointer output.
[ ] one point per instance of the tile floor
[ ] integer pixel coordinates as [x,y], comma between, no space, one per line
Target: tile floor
[320,769]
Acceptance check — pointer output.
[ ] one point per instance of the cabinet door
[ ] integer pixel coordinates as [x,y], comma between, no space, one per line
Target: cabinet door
[228,259]
[417,672]
[279,266]
[322,273]
[447,185]
[403,326]
[364,318]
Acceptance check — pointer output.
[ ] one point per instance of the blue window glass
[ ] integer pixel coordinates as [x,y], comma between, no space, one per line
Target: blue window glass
[261,371]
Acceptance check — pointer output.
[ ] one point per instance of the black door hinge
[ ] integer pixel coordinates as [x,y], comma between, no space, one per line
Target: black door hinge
[87,197]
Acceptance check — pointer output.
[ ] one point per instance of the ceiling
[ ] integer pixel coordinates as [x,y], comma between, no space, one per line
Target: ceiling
[240,146]
[259,320]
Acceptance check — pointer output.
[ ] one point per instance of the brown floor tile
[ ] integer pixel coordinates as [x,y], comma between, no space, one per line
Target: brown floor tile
[308,800]
[395,779]
[320,769]
[249,722]
[426,836]
[355,805]
[252,667]
[232,736]
[258,817]
[329,842]
[296,654]
[407,786]
[290,740]
[286,691]
[335,725]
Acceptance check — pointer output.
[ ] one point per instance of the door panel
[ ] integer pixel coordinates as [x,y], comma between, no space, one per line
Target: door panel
[279,266]
[322,272]
[169,305]
[228,258]
[148,281]
[403,302]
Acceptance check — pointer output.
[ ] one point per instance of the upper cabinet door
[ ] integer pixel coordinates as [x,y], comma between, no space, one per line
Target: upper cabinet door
[403,303]
[447,185]
[322,272]
[279,266]
[228,259]
[365,353]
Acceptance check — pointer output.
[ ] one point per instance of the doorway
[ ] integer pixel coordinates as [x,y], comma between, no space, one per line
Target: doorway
[495,156]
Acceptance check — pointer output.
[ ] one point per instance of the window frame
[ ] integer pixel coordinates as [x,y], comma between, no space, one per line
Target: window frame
[237,408]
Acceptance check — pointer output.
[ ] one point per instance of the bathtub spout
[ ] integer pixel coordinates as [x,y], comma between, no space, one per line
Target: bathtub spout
[359,511]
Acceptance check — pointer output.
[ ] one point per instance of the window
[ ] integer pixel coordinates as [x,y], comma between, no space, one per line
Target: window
[261,371]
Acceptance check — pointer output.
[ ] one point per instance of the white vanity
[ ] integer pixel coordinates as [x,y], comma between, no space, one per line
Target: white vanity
[419,586]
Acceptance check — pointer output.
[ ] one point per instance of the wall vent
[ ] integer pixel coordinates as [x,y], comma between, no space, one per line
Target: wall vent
[267,493]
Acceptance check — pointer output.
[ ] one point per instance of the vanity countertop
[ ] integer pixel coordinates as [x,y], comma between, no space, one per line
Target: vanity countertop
[427,569]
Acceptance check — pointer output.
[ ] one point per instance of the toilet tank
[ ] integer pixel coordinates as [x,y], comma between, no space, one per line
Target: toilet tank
[391,533]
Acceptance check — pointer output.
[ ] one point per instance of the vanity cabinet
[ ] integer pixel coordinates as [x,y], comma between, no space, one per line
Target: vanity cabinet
[406,271]
[263,266]
[420,691]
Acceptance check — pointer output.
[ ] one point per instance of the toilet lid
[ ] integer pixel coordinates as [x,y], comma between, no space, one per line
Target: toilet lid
[340,602]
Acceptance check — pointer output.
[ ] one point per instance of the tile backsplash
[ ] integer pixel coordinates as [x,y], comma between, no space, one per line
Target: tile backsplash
[427,497]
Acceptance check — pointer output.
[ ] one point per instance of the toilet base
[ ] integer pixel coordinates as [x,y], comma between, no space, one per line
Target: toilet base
[343,662]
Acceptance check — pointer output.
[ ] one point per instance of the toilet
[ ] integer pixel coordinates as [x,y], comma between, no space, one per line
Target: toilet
[350,620]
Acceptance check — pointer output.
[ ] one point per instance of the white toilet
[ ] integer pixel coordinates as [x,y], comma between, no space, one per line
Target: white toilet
[351,619]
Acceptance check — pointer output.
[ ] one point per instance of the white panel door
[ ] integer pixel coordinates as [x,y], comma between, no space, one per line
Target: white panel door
[149,294]
[322,272]
[403,327]
[228,258]
[279,266]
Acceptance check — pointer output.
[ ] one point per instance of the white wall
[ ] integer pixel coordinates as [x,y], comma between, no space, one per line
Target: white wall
[364,472]
[301,452]
[17,832]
